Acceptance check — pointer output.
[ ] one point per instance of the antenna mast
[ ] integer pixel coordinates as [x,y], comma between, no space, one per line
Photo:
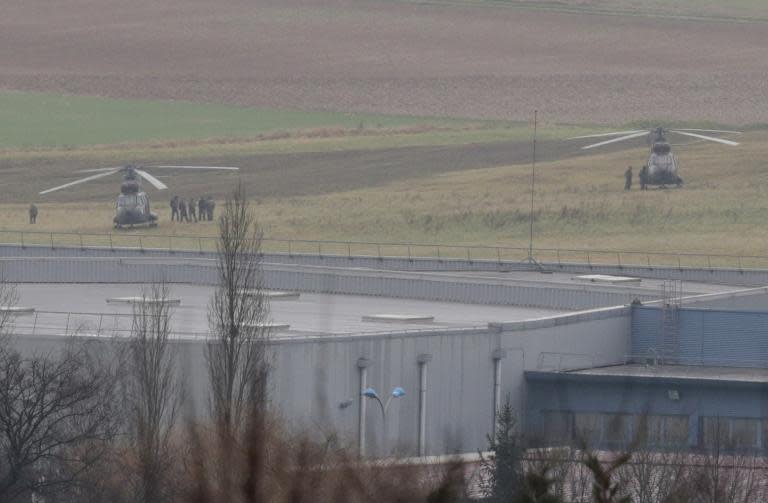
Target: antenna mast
[533,182]
[530,259]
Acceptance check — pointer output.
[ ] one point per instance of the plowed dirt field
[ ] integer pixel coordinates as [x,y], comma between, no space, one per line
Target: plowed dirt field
[391,57]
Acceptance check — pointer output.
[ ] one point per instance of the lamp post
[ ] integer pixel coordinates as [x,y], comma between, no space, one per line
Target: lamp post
[397,392]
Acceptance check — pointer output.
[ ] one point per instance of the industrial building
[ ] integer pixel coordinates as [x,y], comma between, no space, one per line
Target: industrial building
[695,376]
[577,350]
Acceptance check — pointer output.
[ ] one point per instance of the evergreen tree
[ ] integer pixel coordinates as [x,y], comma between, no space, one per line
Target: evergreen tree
[503,477]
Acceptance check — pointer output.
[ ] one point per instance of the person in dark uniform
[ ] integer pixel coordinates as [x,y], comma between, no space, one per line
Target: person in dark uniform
[628,179]
[32,213]
[644,177]
[183,211]
[174,208]
[192,208]
[201,208]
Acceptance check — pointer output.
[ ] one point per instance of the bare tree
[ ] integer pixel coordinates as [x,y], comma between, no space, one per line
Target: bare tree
[657,475]
[56,419]
[9,297]
[724,471]
[236,354]
[154,395]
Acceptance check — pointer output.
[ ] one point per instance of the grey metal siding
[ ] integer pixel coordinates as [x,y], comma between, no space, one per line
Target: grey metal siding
[708,337]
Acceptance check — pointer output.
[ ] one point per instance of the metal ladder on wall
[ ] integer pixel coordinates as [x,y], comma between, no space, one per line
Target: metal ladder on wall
[671,298]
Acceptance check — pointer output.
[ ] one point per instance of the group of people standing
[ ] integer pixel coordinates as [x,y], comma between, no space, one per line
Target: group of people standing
[193,210]
[643,176]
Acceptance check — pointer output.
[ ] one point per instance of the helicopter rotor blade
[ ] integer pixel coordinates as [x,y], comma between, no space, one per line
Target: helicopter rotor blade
[151,179]
[615,133]
[710,138]
[82,180]
[99,170]
[229,168]
[707,131]
[614,140]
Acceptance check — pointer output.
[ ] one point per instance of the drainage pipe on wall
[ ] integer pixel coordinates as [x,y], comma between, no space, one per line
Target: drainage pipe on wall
[362,366]
[497,356]
[422,360]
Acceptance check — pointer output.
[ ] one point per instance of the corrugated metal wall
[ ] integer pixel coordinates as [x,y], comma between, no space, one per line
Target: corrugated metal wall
[311,376]
[708,337]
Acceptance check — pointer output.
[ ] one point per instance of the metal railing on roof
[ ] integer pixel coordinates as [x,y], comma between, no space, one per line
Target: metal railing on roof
[411,251]
[116,325]
[563,362]
[67,323]
[654,359]
[682,367]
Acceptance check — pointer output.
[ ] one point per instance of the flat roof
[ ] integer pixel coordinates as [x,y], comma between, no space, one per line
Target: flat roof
[563,279]
[698,372]
[309,314]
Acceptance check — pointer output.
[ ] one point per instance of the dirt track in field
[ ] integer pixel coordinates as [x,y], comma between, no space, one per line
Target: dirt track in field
[278,175]
[381,56]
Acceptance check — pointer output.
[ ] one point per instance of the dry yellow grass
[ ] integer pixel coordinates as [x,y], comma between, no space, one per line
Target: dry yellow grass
[579,204]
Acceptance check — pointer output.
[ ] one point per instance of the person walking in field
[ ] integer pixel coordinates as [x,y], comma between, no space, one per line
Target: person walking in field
[174,208]
[628,179]
[183,211]
[192,214]
[32,213]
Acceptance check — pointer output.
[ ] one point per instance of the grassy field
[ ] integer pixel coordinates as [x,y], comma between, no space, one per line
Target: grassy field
[394,179]
[35,120]
[579,204]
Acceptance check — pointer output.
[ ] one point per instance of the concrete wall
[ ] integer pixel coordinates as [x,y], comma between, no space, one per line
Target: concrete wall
[313,375]
[733,276]
[755,299]
[315,279]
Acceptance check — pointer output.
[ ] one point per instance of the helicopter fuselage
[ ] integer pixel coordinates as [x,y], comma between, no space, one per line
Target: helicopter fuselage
[662,167]
[133,207]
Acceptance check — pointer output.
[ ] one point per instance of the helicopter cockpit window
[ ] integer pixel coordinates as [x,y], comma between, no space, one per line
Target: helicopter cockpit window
[664,162]
[126,201]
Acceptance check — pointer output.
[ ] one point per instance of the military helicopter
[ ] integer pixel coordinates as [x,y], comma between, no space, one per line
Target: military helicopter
[662,166]
[132,203]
